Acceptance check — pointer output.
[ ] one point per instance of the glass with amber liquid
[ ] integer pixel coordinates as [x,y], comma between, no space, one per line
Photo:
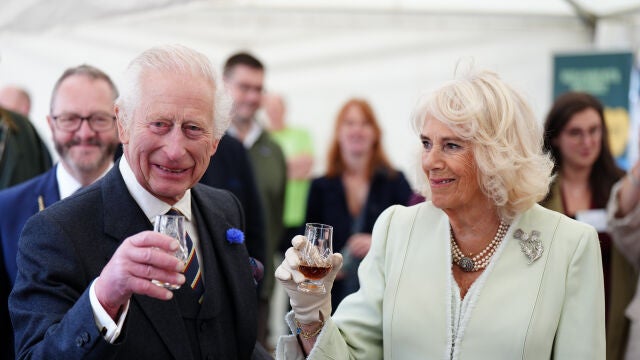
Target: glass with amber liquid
[315,257]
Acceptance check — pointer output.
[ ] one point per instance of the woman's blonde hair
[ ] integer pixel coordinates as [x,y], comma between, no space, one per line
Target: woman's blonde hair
[479,107]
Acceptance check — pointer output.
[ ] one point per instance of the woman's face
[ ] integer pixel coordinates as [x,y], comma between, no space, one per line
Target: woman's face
[355,134]
[450,168]
[579,143]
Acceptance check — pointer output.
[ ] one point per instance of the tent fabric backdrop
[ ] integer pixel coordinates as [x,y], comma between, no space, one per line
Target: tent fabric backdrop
[316,55]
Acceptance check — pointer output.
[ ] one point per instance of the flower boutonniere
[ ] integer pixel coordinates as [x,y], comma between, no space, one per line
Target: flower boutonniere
[235,236]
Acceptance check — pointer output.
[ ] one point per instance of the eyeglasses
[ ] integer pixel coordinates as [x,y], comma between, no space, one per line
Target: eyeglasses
[72,122]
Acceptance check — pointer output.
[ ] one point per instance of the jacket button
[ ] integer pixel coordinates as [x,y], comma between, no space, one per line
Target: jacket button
[82,339]
[203,326]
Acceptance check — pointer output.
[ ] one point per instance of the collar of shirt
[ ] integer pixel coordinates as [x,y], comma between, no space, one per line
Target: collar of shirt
[252,135]
[67,184]
[151,205]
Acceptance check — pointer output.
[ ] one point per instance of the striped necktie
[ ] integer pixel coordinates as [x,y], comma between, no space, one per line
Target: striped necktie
[192,268]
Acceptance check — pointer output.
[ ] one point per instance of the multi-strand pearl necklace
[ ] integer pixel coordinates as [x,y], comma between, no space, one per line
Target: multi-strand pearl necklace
[482,259]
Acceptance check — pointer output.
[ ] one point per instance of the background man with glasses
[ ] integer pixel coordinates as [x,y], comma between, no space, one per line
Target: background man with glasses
[82,123]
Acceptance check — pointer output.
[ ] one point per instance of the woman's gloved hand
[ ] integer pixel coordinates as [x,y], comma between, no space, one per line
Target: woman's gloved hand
[306,306]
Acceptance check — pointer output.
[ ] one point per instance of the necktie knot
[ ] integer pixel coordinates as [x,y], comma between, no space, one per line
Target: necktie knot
[173,211]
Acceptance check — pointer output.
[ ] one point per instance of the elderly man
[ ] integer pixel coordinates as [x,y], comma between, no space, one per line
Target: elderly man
[85,150]
[84,289]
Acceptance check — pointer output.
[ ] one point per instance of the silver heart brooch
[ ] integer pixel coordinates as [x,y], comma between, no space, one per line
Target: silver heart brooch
[530,244]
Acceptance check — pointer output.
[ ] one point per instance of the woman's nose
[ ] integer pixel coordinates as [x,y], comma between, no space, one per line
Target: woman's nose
[431,159]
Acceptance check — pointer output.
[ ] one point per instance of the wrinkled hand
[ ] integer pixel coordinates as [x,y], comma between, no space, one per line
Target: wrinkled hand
[359,245]
[306,306]
[140,258]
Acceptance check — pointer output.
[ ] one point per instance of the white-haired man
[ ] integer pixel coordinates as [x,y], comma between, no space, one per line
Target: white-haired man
[84,286]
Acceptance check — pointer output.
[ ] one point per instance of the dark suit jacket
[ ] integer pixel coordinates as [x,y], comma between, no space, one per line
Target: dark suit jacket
[17,205]
[230,169]
[64,248]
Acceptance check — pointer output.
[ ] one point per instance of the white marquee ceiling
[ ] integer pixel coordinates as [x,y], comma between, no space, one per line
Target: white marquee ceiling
[33,15]
[319,52]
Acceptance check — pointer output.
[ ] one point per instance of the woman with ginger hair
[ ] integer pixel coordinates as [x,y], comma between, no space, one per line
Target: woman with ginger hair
[358,185]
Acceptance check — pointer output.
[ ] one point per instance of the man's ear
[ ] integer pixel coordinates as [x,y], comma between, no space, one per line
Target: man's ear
[50,122]
[214,146]
[123,131]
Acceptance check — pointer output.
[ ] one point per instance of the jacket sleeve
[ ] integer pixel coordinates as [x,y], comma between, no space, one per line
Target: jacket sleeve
[355,332]
[624,231]
[581,329]
[50,304]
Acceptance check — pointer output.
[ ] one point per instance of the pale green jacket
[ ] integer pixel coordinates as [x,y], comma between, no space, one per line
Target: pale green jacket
[551,308]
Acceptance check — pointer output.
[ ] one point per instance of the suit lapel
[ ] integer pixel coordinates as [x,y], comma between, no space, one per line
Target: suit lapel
[211,304]
[123,218]
[47,190]
[233,263]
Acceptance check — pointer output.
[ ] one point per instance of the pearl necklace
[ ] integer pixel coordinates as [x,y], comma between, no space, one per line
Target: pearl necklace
[481,260]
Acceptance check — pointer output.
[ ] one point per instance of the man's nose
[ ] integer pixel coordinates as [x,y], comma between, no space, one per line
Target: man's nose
[85,130]
[175,146]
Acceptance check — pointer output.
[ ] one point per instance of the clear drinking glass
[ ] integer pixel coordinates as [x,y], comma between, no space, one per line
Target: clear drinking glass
[315,258]
[173,225]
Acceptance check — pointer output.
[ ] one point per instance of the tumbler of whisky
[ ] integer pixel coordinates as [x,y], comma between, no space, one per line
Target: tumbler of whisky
[315,257]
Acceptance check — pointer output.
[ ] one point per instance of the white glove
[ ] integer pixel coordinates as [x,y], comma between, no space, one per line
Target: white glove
[306,306]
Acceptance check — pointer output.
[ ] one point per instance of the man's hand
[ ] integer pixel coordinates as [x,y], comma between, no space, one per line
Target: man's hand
[140,258]
[299,167]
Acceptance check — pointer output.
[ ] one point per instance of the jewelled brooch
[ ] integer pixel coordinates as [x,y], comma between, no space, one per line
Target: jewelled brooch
[530,244]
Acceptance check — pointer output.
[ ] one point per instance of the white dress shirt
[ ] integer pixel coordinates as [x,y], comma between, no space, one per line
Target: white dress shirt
[67,184]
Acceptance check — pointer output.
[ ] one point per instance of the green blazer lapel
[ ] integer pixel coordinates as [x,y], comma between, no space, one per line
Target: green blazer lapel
[419,272]
[511,270]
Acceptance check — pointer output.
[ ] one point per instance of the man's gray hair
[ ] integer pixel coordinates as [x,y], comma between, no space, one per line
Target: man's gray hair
[83,70]
[176,59]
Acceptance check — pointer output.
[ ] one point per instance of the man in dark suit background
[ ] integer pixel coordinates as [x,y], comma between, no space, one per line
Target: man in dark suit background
[85,150]
[230,169]
[84,289]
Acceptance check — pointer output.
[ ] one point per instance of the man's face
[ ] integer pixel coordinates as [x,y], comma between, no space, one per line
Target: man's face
[245,86]
[169,137]
[83,152]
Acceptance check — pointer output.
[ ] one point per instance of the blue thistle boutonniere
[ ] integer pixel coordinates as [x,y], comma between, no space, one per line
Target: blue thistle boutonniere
[235,236]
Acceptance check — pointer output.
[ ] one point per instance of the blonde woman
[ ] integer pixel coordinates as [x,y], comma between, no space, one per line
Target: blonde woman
[480,270]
